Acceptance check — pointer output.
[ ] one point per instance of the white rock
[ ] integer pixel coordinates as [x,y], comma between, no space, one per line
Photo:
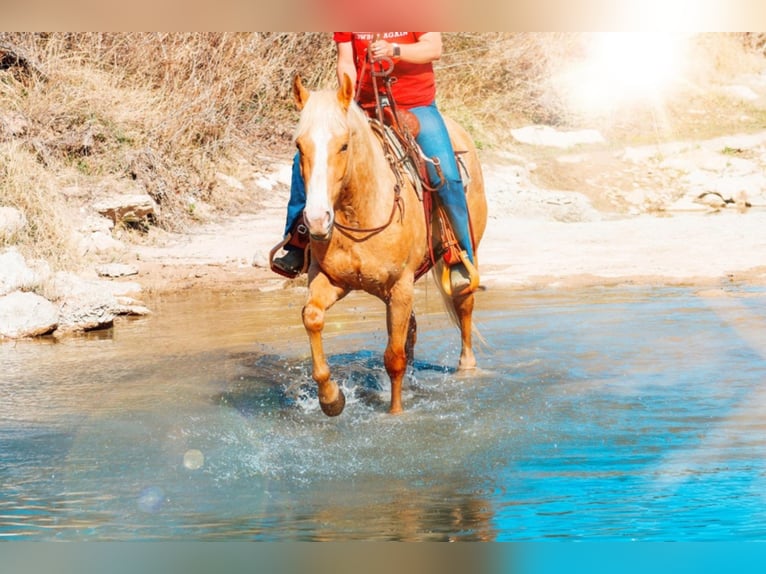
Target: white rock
[281,175]
[548,136]
[11,221]
[24,314]
[95,223]
[260,259]
[116,270]
[89,304]
[15,273]
[99,242]
[231,181]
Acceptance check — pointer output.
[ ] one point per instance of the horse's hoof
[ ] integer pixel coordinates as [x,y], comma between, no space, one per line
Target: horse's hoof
[334,408]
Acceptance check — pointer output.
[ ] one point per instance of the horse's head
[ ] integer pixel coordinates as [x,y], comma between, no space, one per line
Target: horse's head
[323,138]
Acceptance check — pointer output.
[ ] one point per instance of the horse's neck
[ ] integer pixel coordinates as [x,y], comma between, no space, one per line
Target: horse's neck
[371,182]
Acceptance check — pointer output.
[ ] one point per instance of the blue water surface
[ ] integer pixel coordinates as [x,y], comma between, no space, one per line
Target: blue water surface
[609,414]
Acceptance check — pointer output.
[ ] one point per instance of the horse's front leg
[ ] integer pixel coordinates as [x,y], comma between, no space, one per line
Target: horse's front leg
[322,295]
[398,314]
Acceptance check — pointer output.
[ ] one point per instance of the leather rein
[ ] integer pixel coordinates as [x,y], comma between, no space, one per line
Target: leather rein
[378,126]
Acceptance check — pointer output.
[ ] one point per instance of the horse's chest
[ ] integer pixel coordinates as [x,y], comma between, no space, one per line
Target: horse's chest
[366,271]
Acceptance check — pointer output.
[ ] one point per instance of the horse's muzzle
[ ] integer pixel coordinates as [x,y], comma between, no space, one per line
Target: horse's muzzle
[320,228]
[323,237]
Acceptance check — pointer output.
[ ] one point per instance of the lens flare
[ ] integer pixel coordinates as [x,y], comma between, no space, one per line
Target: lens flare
[622,68]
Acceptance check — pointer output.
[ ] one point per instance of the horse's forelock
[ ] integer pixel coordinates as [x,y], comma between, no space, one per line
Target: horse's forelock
[323,112]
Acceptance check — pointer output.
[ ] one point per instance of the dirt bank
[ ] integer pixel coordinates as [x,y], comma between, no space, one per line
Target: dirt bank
[659,232]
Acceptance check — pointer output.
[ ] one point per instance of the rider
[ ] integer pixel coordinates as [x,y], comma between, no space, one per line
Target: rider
[414,89]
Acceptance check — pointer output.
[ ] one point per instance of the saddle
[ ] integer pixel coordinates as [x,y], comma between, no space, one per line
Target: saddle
[397,135]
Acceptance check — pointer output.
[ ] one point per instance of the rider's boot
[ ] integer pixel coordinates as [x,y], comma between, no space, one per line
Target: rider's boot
[295,243]
[296,247]
[462,276]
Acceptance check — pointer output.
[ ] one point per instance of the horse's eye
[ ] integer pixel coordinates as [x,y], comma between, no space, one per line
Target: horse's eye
[344,147]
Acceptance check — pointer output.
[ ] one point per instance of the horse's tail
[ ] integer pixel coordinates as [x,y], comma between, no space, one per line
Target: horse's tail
[449,305]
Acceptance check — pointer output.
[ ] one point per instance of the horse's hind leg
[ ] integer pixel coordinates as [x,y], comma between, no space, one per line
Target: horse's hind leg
[464,310]
[322,295]
[400,320]
[412,337]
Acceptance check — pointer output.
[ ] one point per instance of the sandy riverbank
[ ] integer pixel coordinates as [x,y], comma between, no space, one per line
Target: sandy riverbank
[690,248]
[667,214]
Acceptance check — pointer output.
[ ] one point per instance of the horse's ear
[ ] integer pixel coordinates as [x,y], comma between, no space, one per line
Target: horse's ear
[300,94]
[346,92]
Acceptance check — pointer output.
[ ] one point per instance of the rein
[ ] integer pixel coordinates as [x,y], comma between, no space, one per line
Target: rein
[379,132]
[384,72]
[373,230]
[402,152]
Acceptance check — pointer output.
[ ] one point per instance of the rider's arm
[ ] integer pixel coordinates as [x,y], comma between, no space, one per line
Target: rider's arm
[427,49]
[345,63]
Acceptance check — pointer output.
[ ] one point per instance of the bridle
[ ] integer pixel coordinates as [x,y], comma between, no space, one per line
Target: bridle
[386,67]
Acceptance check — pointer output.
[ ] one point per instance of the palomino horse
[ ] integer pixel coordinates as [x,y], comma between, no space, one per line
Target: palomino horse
[366,235]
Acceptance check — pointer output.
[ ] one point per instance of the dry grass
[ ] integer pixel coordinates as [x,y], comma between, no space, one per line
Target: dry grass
[170,110]
[29,187]
[497,81]
[164,109]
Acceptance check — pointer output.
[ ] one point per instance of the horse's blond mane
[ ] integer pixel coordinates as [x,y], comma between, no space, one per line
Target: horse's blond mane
[324,112]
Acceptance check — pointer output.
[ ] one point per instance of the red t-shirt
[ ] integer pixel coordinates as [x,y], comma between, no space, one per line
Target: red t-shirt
[415,84]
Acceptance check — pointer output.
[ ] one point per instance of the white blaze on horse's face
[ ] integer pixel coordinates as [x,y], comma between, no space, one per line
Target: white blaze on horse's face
[323,167]
[322,139]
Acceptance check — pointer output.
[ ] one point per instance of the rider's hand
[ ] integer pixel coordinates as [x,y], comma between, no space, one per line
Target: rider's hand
[381,49]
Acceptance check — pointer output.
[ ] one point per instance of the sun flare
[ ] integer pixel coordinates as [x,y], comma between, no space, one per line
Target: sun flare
[620,68]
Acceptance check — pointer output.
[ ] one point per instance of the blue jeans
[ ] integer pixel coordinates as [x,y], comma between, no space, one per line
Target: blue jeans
[434,141]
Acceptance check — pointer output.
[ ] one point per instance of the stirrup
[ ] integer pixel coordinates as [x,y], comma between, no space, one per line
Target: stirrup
[473,276]
[282,272]
[298,237]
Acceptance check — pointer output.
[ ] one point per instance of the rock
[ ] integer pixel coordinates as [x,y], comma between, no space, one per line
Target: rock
[90,304]
[95,223]
[548,136]
[260,259]
[83,305]
[75,192]
[99,242]
[280,176]
[514,193]
[24,314]
[15,273]
[116,270]
[129,209]
[741,201]
[120,288]
[129,306]
[230,181]
[11,222]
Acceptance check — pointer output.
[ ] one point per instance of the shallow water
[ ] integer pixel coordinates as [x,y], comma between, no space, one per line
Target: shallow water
[610,414]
